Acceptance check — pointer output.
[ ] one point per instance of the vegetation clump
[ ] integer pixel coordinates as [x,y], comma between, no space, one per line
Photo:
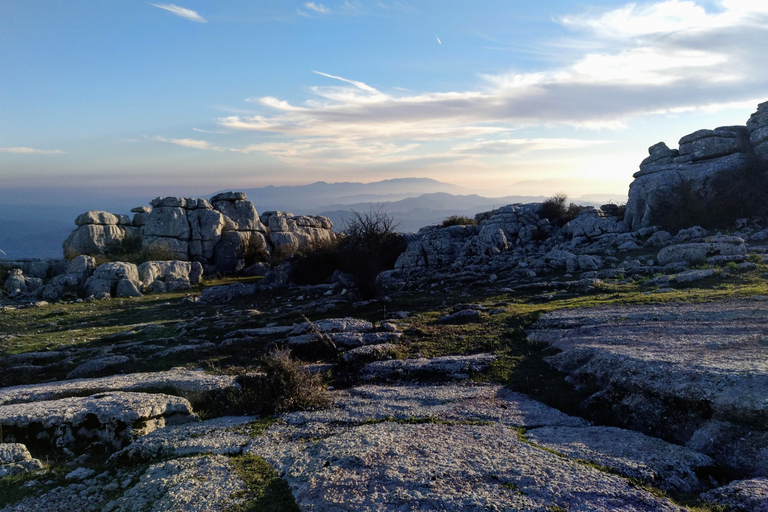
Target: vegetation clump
[556,210]
[458,220]
[369,245]
[284,386]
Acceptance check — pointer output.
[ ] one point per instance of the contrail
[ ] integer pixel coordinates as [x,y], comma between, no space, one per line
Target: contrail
[438,40]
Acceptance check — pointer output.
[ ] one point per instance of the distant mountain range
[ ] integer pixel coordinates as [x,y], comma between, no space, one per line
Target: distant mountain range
[38,230]
[321,194]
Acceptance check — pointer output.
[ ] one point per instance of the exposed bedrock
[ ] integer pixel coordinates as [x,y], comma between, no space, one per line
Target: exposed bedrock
[693,374]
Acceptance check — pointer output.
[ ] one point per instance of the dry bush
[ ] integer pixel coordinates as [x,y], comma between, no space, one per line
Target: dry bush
[284,387]
[458,220]
[555,210]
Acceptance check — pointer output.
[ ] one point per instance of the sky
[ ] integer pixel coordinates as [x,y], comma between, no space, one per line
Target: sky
[503,97]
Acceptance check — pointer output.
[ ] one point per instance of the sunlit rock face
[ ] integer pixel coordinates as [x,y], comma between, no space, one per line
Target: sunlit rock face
[704,168]
[224,234]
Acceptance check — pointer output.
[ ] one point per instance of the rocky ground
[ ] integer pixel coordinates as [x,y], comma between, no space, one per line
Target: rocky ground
[644,393]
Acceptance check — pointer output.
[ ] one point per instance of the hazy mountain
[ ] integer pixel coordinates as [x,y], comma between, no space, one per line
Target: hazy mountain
[411,214]
[300,198]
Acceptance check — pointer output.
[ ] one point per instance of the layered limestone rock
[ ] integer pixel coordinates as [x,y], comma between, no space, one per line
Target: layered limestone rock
[705,160]
[224,234]
[97,231]
[291,232]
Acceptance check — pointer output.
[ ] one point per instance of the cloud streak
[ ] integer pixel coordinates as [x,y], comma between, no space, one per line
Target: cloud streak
[188,14]
[189,143]
[21,150]
[668,56]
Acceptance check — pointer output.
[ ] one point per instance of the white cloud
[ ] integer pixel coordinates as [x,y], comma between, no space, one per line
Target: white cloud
[20,150]
[312,6]
[189,143]
[640,59]
[181,11]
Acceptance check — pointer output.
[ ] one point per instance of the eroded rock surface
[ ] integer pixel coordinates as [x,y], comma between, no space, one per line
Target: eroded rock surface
[696,374]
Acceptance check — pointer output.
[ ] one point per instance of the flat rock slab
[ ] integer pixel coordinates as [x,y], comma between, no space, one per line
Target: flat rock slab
[451,403]
[453,367]
[111,418]
[227,435]
[192,385]
[742,495]
[665,465]
[393,466]
[191,484]
[673,369]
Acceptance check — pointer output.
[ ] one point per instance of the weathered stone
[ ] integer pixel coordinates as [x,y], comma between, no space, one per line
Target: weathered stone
[695,374]
[452,367]
[97,217]
[80,422]
[94,367]
[741,495]
[190,484]
[227,435]
[699,252]
[192,385]
[15,459]
[664,465]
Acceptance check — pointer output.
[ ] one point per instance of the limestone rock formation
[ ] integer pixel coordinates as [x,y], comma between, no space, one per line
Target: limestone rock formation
[706,162]
[97,231]
[224,234]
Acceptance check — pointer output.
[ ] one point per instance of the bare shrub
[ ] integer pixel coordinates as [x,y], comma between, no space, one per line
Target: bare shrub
[284,387]
[458,220]
[368,246]
[554,209]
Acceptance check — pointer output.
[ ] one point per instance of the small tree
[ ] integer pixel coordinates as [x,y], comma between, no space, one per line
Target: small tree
[370,246]
[556,212]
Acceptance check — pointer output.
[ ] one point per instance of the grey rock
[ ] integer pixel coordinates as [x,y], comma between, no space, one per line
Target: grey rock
[97,217]
[190,484]
[454,367]
[392,466]
[192,385]
[108,418]
[15,459]
[94,367]
[219,436]
[664,465]
[692,373]
[700,252]
[741,495]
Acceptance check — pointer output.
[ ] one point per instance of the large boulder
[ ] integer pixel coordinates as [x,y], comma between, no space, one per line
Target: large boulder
[162,276]
[711,173]
[116,279]
[97,231]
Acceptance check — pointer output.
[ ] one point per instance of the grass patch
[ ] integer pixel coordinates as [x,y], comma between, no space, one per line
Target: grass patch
[267,492]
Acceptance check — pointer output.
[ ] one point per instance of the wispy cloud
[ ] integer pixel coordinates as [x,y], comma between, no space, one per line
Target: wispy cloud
[20,150]
[181,11]
[312,6]
[189,143]
[639,59]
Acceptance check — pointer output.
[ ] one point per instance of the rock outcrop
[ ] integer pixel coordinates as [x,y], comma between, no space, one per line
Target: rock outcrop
[97,231]
[224,234]
[705,162]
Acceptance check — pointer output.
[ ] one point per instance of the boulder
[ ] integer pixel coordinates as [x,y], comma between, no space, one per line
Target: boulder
[107,279]
[741,495]
[706,163]
[159,276]
[701,251]
[78,424]
[15,459]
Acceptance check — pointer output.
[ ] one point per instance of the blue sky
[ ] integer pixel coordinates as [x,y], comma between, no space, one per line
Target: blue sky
[501,97]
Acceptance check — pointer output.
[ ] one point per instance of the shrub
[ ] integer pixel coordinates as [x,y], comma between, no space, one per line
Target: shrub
[368,246]
[556,212]
[284,387]
[458,220]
